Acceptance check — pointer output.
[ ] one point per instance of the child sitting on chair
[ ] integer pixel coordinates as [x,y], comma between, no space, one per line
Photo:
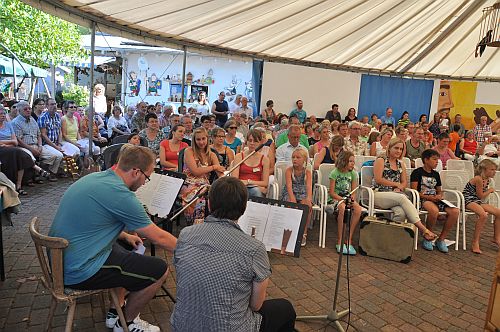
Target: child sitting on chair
[475,193]
[343,179]
[427,182]
[298,184]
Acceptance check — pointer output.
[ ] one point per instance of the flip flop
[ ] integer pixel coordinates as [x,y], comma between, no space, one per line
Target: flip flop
[22,192]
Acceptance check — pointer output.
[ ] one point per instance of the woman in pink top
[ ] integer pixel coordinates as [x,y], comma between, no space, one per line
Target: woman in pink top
[445,152]
[324,140]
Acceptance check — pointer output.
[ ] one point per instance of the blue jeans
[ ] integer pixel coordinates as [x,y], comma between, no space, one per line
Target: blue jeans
[255,192]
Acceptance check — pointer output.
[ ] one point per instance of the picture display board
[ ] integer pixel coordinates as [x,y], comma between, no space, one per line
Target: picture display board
[318,88]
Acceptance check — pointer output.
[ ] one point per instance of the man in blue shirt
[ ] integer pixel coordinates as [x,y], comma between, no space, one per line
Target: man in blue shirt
[388,118]
[299,112]
[92,215]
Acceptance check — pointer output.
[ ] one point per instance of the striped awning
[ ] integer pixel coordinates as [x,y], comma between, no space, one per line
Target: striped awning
[21,69]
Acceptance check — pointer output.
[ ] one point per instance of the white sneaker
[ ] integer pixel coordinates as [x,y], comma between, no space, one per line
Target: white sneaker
[138,325]
[111,319]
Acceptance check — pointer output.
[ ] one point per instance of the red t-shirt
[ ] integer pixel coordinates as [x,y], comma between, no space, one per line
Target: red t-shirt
[251,173]
[172,156]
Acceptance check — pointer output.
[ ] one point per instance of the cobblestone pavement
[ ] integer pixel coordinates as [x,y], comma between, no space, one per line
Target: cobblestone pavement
[434,292]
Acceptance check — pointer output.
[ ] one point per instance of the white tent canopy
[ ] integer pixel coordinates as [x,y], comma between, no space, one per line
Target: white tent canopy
[430,38]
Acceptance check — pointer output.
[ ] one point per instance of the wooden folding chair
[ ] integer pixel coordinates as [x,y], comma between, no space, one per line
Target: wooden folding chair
[53,280]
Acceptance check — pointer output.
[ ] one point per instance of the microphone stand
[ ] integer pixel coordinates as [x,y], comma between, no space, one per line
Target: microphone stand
[334,316]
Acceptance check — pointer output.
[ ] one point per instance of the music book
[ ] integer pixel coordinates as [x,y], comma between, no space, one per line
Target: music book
[159,194]
[279,225]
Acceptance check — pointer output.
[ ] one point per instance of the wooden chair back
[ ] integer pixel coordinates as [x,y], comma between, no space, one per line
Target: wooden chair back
[52,268]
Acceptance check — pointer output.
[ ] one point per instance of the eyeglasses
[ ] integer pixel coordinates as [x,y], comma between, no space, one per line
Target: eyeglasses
[147,177]
[221,136]
[72,106]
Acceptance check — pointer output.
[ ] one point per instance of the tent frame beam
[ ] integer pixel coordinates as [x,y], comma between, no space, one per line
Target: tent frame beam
[66,12]
[459,20]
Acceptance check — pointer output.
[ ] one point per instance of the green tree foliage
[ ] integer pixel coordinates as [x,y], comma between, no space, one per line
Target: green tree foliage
[36,37]
[79,94]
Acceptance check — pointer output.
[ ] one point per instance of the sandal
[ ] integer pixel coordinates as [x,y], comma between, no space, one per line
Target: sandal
[30,184]
[43,173]
[22,192]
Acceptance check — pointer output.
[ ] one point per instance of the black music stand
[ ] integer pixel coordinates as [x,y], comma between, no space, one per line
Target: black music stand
[335,316]
[289,205]
[166,224]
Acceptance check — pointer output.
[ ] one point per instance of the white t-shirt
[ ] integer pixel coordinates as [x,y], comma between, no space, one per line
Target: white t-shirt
[113,122]
[233,106]
[203,109]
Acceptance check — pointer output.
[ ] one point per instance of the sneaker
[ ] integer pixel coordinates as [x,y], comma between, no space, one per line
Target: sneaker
[351,251]
[138,325]
[427,245]
[344,249]
[111,319]
[441,246]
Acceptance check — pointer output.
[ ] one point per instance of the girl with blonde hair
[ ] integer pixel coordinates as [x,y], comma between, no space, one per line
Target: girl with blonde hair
[199,162]
[475,193]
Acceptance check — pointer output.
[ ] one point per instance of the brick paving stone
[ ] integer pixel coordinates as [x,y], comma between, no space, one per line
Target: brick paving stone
[18,315]
[385,296]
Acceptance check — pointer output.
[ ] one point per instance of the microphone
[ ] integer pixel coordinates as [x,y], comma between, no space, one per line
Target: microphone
[268,143]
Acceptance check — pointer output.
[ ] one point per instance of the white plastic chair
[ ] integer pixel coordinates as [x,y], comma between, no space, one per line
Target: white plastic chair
[462,165]
[360,160]
[407,162]
[419,163]
[320,198]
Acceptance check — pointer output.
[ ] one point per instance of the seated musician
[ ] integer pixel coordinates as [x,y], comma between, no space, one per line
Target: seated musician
[222,273]
[105,206]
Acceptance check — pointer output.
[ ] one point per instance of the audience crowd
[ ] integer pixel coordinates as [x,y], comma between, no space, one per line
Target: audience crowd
[204,143]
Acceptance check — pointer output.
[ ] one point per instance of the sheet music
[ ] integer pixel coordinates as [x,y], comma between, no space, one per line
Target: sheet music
[448,203]
[159,194]
[256,215]
[274,225]
[281,219]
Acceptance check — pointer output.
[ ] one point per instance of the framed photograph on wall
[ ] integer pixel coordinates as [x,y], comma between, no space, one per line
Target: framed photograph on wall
[196,89]
[176,90]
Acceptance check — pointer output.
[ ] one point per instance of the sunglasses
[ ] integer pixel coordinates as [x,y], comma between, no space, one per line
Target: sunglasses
[233,127]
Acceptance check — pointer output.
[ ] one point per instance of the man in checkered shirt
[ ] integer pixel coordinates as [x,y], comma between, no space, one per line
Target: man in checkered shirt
[222,273]
[480,129]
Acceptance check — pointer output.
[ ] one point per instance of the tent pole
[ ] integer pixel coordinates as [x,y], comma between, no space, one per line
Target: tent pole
[183,75]
[91,99]
[34,81]
[49,95]
[16,92]
[52,80]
